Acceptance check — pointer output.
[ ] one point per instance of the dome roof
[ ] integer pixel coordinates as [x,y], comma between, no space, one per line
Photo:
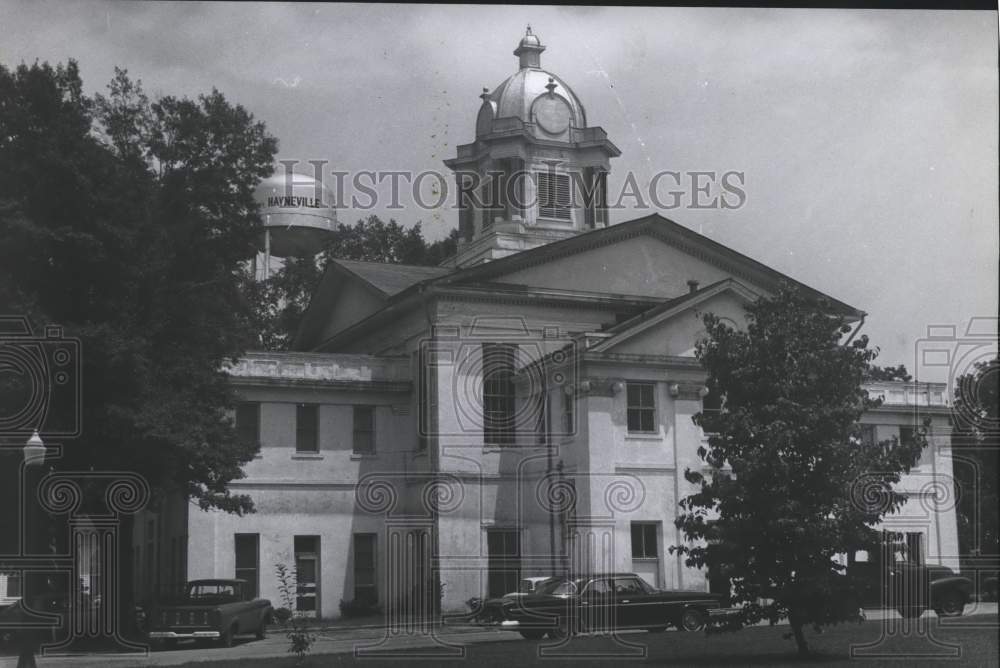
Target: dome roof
[516,96]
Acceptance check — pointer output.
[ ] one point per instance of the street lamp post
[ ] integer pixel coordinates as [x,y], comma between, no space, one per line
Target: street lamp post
[34,459]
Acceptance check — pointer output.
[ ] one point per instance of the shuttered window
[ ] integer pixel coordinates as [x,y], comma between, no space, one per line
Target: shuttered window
[554,196]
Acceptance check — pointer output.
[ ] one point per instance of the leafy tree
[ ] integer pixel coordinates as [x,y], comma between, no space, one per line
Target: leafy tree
[888,373]
[127,221]
[976,446]
[282,299]
[788,479]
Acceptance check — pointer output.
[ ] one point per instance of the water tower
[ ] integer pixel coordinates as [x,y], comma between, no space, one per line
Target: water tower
[298,214]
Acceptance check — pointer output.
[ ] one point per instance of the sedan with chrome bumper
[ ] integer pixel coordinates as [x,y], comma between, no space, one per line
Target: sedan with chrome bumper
[601,602]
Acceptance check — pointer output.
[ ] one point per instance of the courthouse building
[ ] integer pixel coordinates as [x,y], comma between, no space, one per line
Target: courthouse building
[524,409]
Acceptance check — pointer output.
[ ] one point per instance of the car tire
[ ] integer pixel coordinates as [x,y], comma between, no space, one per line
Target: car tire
[952,604]
[227,636]
[563,629]
[532,634]
[692,619]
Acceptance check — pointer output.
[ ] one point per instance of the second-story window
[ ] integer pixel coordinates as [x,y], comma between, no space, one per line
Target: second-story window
[307,428]
[641,407]
[248,422]
[498,393]
[364,430]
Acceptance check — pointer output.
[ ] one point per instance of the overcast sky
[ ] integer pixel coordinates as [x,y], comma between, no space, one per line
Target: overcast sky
[868,139]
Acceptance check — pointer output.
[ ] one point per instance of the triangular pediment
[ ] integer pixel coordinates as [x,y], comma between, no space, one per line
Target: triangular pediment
[675,327]
[650,257]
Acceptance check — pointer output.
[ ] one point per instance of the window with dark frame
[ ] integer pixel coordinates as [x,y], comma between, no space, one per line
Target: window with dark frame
[425,393]
[711,407]
[498,393]
[503,561]
[248,422]
[868,435]
[907,435]
[641,407]
[644,545]
[568,415]
[307,578]
[554,196]
[364,430]
[247,546]
[365,590]
[307,428]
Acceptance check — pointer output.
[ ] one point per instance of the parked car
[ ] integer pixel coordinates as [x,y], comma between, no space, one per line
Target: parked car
[528,586]
[209,610]
[911,588]
[563,606]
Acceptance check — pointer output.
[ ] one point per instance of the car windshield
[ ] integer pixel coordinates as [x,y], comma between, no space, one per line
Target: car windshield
[556,587]
[211,590]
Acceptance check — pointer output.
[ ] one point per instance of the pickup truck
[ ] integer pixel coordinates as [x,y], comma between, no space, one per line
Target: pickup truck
[214,610]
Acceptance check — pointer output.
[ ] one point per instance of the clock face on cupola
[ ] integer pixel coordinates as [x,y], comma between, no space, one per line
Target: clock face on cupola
[551,111]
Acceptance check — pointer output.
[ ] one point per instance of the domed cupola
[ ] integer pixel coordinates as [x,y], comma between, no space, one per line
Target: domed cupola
[536,171]
[533,96]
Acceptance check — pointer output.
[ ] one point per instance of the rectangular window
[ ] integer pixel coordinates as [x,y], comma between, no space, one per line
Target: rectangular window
[307,428]
[868,436]
[247,546]
[915,548]
[307,575]
[569,419]
[504,561]
[498,393]
[641,407]
[711,407]
[907,435]
[493,199]
[425,393]
[644,540]
[364,430]
[553,196]
[365,590]
[542,428]
[248,422]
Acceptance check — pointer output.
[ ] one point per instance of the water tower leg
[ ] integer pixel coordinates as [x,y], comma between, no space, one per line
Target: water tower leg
[267,253]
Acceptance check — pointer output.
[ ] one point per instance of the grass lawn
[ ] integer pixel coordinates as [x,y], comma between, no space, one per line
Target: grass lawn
[760,646]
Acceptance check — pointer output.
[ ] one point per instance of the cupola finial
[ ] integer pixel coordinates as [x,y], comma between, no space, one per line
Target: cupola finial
[529,50]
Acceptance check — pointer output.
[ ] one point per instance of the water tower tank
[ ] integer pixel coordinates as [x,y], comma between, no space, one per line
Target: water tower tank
[298,214]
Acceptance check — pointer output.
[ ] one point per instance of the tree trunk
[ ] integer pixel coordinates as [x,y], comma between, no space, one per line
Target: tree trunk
[800,638]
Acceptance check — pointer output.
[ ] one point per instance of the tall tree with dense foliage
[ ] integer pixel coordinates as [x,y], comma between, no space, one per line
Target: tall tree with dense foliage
[128,222]
[975,449]
[789,483]
[282,299]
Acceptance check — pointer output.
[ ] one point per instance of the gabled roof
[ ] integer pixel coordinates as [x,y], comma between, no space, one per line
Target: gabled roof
[668,309]
[397,282]
[391,279]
